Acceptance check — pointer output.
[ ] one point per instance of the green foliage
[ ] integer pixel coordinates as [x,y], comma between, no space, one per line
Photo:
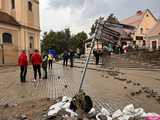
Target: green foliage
[62,40]
[78,41]
[93,28]
[112,19]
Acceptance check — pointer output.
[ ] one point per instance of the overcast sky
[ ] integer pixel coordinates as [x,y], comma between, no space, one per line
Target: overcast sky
[79,15]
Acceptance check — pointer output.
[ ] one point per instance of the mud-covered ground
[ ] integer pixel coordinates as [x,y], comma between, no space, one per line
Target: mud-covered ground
[33,110]
[112,89]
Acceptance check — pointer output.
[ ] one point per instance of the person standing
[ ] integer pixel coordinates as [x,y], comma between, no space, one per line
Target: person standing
[65,58]
[50,60]
[36,62]
[96,54]
[23,63]
[44,66]
[71,56]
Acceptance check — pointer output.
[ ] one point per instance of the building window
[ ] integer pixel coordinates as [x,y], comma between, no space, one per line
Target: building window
[88,45]
[31,42]
[7,38]
[144,43]
[13,4]
[139,37]
[141,30]
[29,5]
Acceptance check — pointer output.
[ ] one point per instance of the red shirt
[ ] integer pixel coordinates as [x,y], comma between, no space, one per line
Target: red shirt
[22,60]
[36,58]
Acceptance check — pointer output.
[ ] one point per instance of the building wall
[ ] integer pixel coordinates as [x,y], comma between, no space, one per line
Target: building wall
[21,12]
[155,38]
[24,37]
[147,23]
[10,49]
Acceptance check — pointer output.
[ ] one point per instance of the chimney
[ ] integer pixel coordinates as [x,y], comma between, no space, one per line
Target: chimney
[139,12]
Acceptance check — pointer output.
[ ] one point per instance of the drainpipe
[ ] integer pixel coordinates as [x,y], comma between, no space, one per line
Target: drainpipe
[2,51]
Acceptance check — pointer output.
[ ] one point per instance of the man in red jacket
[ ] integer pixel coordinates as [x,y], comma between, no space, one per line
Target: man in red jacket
[23,63]
[36,62]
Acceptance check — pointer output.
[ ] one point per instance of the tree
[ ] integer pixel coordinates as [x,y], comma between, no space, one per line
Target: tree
[112,19]
[62,40]
[78,41]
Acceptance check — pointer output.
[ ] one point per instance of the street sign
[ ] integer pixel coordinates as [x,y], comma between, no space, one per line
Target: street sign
[53,53]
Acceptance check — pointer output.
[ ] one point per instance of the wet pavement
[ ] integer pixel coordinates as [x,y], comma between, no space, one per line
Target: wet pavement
[108,88]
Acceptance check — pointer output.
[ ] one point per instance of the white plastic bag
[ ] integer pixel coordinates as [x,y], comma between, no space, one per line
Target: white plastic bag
[117,114]
[53,112]
[105,112]
[128,110]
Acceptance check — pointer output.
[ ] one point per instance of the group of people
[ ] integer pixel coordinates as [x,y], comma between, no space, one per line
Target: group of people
[37,61]
[68,55]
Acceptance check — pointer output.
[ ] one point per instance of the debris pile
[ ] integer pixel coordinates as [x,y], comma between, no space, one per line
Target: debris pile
[80,107]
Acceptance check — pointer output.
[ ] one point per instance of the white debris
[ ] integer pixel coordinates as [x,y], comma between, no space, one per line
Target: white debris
[65,98]
[64,104]
[73,114]
[98,117]
[129,112]
[105,112]
[117,114]
[92,111]
[54,111]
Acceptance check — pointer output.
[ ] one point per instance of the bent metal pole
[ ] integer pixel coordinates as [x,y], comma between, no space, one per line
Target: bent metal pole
[88,58]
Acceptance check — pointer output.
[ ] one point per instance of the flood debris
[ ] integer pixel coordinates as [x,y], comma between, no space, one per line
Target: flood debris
[80,107]
[23,117]
[120,79]
[59,77]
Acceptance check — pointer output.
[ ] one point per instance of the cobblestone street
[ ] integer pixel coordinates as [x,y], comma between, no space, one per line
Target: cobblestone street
[105,87]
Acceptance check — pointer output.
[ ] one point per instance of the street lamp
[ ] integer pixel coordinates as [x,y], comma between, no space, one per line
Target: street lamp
[2,50]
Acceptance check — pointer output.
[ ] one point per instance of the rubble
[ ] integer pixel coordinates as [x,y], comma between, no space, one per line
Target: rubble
[65,110]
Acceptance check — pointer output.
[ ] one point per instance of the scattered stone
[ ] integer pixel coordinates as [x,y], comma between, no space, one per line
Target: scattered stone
[121,79]
[129,81]
[65,86]
[13,105]
[134,84]
[23,96]
[6,105]
[23,117]
[103,76]
[138,84]
[132,94]
[148,96]
[125,87]
[48,99]
[33,106]
[106,77]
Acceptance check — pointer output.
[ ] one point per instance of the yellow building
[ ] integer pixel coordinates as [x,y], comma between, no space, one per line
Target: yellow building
[143,21]
[19,28]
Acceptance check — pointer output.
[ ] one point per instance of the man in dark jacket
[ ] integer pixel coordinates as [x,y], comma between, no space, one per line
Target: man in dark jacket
[44,66]
[23,63]
[96,54]
[36,62]
[65,58]
[71,56]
